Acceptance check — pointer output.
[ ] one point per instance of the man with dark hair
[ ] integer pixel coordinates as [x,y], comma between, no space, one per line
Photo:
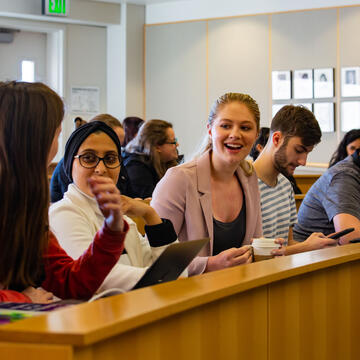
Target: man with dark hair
[294,132]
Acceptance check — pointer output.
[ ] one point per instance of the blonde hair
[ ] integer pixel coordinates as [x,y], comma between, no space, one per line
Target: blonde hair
[228,98]
[151,134]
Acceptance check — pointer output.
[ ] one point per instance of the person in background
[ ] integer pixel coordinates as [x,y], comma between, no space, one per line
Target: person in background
[260,142]
[94,149]
[131,126]
[294,132]
[30,256]
[59,181]
[347,146]
[148,156]
[259,146]
[114,123]
[78,121]
[216,195]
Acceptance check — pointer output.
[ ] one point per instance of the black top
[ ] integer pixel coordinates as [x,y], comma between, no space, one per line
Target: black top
[142,175]
[293,184]
[229,235]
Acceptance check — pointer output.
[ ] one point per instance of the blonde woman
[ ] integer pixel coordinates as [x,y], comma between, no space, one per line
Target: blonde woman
[149,155]
[217,194]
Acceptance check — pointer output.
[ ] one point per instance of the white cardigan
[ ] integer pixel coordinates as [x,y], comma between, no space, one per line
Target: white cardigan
[75,220]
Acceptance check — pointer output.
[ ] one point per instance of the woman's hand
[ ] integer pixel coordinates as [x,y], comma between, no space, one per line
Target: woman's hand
[136,207]
[38,295]
[108,198]
[229,258]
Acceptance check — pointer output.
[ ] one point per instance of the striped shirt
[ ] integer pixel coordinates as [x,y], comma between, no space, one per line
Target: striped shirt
[277,208]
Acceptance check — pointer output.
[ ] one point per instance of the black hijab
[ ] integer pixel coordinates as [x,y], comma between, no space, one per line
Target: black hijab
[79,136]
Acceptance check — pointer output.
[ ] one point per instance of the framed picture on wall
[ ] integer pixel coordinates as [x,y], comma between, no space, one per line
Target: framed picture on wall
[303,84]
[350,115]
[281,85]
[276,108]
[350,81]
[324,113]
[324,83]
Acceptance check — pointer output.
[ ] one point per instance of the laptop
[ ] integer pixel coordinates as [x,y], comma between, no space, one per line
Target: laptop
[171,263]
[167,267]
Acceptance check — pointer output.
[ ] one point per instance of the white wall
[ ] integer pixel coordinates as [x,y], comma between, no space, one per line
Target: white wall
[208,9]
[90,46]
[26,46]
[125,66]
[176,80]
[80,11]
[135,20]
[238,54]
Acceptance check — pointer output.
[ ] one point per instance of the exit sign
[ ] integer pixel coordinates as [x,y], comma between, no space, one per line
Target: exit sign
[55,7]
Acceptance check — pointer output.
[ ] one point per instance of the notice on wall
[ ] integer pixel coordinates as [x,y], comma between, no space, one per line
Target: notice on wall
[85,99]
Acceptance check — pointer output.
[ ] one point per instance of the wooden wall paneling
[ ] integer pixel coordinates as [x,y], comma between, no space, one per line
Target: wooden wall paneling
[15,351]
[314,316]
[230,328]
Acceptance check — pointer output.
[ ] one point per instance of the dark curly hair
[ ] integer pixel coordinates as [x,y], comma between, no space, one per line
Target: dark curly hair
[341,153]
[261,140]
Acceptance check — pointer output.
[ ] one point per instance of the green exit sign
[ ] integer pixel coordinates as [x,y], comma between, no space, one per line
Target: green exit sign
[55,7]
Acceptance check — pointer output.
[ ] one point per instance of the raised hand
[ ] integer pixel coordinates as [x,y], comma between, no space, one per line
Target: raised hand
[108,198]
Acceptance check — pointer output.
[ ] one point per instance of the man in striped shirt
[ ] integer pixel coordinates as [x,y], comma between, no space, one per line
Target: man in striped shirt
[294,132]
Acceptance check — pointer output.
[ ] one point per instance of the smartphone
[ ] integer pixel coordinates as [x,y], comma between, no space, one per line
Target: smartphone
[341,233]
[354,241]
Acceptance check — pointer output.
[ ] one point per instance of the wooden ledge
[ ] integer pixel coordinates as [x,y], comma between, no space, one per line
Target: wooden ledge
[89,323]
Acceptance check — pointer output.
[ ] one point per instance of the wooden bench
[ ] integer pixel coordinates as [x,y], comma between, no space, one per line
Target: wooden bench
[305,181]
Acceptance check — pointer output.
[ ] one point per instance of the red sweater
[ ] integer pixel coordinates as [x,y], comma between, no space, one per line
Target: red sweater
[77,279]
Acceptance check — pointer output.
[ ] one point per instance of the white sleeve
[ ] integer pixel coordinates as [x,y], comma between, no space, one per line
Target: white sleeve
[72,229]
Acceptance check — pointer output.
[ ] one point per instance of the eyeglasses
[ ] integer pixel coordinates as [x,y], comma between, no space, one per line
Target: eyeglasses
[90,161]
[175,142]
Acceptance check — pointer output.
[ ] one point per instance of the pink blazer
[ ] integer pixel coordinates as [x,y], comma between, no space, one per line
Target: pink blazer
[183,196]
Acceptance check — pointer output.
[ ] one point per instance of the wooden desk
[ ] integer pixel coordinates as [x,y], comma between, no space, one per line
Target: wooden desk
[298,200]
[304,182]
[304,306]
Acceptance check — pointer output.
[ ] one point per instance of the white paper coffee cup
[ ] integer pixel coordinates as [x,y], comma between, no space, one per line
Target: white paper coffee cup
[262,248]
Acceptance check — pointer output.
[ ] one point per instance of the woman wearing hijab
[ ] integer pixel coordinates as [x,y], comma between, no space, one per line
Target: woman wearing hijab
[94,150]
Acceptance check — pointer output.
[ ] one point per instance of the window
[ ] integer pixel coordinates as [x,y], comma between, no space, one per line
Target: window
[28,71]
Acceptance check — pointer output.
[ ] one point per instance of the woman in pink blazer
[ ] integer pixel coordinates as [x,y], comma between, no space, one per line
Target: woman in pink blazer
[216,195]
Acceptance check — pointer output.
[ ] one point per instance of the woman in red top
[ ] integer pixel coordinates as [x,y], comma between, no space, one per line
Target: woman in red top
[30,256]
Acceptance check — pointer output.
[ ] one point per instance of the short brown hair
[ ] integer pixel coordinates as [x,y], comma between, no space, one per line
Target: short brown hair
[297,121]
